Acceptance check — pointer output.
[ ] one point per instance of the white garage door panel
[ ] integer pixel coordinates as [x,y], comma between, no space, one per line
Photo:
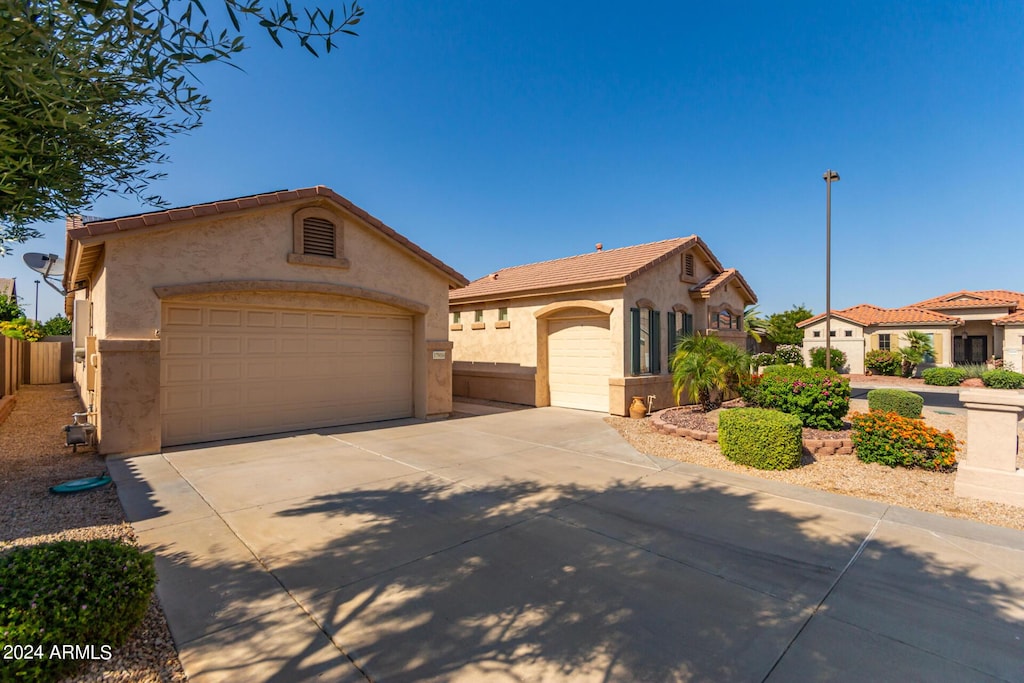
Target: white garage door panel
[579,362]
[234,371]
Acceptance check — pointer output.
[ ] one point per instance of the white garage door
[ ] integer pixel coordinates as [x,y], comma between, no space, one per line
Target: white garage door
[579,362]
[230,371]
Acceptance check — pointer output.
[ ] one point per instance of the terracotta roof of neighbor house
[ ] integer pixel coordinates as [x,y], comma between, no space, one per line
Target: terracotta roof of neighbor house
[984,298]
[7,286]
[609,266]
[80,230]
[866,314]
[1012,319]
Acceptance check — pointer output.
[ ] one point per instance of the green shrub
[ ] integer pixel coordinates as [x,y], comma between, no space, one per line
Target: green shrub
[944,377]
[70,592]
[789,354]
[56,326]
[820,398]
[904,403]
[21,328]
[1003,379]
[974,370]
[760,360]
[892,440]
[818,358]
[765,439]
[883,362]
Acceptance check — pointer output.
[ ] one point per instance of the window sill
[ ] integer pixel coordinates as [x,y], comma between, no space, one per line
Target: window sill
[455,327]
[478,326]
[502,325]
[321,261]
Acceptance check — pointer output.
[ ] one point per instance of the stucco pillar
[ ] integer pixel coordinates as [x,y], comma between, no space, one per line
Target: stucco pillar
[439,379]
[129,396]
[989,469]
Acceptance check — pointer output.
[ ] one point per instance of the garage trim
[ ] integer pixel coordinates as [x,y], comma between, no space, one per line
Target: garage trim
[200,288]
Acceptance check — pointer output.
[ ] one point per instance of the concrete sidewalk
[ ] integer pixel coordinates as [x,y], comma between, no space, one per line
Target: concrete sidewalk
[537,545]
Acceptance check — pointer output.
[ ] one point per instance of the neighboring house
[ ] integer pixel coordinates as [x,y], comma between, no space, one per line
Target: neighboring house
[269,313]
[8,288]
[593,330]
[965,327]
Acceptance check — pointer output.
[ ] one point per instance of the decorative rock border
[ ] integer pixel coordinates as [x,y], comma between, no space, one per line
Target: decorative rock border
[815,447]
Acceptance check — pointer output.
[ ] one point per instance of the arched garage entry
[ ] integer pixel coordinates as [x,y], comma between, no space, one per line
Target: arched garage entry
[575,355]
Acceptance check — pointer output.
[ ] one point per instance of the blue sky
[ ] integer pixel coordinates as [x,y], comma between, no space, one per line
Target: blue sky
[498,133]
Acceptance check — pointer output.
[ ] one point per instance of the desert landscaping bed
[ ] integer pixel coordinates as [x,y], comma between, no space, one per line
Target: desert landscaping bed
[32,459]
[842,473]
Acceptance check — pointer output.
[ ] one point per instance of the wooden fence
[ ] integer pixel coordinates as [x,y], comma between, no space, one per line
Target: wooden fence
[44,362]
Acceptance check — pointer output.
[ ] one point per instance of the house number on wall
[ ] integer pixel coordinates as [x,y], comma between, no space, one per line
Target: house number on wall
[439,355]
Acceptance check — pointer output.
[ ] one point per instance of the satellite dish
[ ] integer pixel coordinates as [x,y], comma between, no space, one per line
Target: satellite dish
[50,265]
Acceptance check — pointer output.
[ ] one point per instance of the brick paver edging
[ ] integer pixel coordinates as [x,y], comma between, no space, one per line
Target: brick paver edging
[813,446]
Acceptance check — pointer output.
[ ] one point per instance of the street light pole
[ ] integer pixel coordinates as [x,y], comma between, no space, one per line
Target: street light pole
[36,309]
[830,177]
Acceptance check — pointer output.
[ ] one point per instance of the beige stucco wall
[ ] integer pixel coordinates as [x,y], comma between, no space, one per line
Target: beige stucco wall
[247,246]
[508,362]
[1013,346]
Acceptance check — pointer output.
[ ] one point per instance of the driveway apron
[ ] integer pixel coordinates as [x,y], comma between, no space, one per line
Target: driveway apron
[538,545]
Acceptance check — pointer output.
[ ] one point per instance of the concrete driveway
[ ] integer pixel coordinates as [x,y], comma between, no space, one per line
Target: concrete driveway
[537,545]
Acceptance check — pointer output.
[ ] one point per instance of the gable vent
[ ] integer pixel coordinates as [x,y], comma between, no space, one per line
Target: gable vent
[318,237]
[688,261]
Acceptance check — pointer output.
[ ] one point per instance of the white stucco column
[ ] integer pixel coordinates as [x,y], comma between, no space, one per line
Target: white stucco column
[989,469]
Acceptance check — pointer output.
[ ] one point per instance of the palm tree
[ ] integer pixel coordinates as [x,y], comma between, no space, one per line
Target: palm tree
[704,364]
[919,347]
[754,324]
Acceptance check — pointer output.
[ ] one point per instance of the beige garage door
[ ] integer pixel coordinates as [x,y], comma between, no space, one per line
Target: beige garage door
[579,362]
[230,371]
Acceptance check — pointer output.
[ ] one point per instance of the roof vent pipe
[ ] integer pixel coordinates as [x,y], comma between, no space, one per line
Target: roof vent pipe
[599,246]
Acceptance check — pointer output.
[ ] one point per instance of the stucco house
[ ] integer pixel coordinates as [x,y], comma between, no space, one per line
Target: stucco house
[268,313]
[593,330]
[965,327]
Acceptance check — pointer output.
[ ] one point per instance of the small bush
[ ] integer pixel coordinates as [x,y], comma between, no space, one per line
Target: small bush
[891,439]
[974,370]
[904,403]
[818,358]
[750,390]
[1003,379]
[820,398]
[789,354]
[765,439]
[56,326]
[21,328]
[883,362]
[760,360]
[944,377]
[70,592]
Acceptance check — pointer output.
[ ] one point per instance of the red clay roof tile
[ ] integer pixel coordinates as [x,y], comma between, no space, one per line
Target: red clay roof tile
[868,315]
[612,266]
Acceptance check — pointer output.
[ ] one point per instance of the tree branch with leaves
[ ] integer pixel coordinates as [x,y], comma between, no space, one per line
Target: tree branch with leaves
[92,90]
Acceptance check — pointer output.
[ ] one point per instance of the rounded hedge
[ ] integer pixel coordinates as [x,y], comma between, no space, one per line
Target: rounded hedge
[761,438]
[1003,379]
[70,593]
[944,377]
[820,398]
[899,401]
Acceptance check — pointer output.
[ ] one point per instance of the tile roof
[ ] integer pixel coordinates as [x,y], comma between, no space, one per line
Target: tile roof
[1012,319]
[715,281]
[866,314]
[610,266]
[984,298]
[100,228]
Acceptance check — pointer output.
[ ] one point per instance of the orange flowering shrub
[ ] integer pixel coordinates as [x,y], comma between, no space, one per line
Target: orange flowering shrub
[891,439]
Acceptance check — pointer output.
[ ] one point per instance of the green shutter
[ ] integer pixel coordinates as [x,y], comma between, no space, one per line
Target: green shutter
[670,320]
[656,342]
[634,333]
[687,324]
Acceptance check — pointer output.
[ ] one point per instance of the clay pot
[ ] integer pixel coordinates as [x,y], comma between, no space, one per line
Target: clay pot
[637,409]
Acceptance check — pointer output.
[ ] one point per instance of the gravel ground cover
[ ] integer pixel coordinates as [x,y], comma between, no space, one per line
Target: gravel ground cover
[32,459]
[843,474]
